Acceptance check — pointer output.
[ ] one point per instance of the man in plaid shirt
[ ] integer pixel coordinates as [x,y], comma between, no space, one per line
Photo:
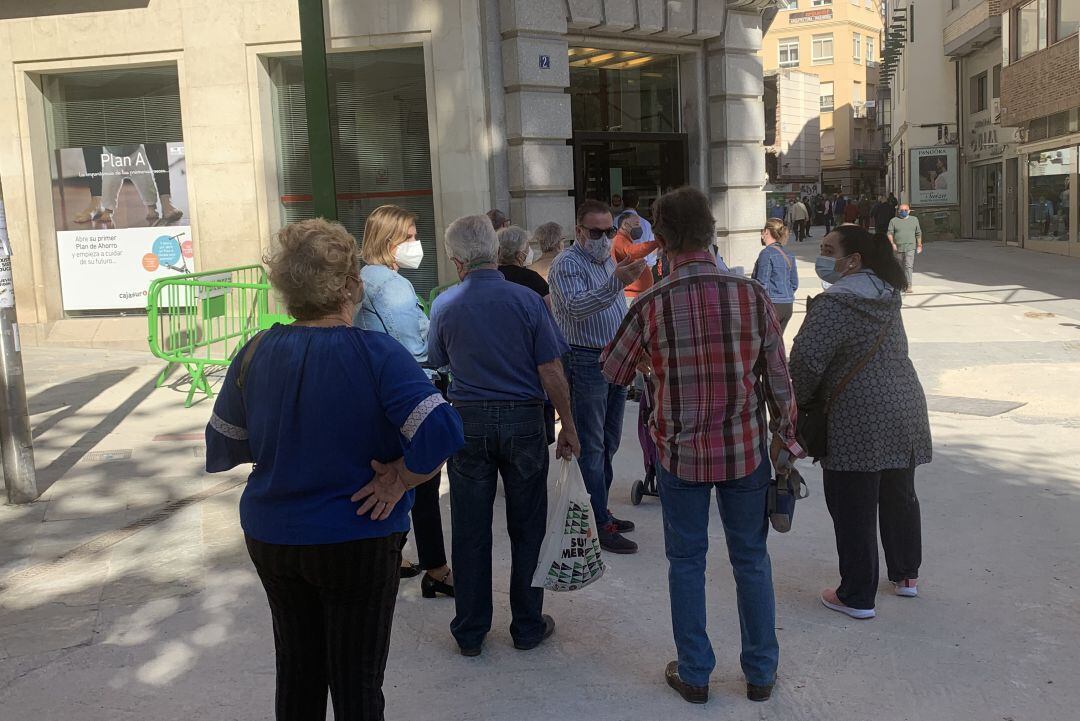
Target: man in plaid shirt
[712,347]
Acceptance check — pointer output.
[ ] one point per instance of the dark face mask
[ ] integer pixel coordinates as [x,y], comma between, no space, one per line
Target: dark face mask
[635,233]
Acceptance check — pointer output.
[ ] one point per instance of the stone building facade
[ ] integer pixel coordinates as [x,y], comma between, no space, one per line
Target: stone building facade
[447,108]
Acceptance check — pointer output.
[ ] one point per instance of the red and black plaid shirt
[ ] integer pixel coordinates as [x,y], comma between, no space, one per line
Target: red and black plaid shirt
[717,355]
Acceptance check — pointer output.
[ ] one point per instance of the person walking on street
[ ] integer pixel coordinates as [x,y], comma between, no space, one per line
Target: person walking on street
[838,209]
[776,270]
[799,218]
[828,214]
[628,243]
[390,306]
[905,235]
[341,425]
[504,351]
[852,348]
[851,211]
[866,207]
[681,332]
[881,214]
[587,297]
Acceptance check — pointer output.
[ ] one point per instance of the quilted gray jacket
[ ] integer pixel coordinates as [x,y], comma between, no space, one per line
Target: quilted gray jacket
[880,420]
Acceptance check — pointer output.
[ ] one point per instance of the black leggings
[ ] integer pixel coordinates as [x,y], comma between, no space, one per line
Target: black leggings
[784,312]
[332,606]
[158,155]
[856,502]
[427,525]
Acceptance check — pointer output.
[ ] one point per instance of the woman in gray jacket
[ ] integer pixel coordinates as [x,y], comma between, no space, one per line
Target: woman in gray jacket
[878,427]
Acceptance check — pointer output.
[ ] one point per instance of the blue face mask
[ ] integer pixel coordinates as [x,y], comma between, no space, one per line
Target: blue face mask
[904,213]
[825,267]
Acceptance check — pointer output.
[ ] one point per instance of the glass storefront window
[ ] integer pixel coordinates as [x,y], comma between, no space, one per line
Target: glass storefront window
[624,91]
[1050,176]
[120,202]
[382,151]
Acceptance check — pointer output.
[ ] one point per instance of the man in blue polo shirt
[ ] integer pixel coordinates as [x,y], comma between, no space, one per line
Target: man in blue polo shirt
[504,353]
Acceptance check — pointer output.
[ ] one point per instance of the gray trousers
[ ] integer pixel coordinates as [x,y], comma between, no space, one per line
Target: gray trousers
[907,259]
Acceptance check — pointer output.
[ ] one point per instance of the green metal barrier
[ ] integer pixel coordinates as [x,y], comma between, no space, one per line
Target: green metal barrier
[435,293]
[202,319]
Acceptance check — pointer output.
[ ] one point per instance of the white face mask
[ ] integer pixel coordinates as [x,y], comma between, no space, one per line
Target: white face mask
[409,254]
[530,257]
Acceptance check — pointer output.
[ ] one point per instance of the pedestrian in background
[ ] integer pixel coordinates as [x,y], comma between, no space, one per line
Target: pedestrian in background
[829,211]
[341,425]
[878,427]
[681,332]
[628,243]
[776,270]
[881,214]
[905,234]
[499,219]
[865,207]
[587,288]
[504,351]
[515,255]
[549,238]
[390,306]
[800,215]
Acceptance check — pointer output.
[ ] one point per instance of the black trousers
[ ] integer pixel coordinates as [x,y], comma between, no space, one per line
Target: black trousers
[783,313]
[158,155]
[427,525]
[856,502]
[332,607]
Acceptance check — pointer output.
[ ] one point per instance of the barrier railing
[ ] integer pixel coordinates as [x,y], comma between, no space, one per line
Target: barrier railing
[202,319]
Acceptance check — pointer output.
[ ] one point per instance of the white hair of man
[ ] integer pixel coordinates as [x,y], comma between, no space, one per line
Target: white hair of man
[549,237]
[512,241]
[471,240]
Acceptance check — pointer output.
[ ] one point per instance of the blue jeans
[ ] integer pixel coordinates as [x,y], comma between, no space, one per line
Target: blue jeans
[507,439]
[743,512]
[598,414]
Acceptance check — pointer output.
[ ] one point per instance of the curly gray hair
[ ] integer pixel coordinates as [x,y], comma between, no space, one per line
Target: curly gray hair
[549,237]
[512,241]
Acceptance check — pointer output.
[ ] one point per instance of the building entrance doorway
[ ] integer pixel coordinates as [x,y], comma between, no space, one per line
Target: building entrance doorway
[608,165]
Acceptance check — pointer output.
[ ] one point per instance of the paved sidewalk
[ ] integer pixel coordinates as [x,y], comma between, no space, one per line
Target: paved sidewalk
[125,592]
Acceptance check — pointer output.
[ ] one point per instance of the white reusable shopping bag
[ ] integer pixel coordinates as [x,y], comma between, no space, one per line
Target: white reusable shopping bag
[570,555]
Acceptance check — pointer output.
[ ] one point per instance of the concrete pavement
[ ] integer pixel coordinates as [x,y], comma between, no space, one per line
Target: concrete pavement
[125,592]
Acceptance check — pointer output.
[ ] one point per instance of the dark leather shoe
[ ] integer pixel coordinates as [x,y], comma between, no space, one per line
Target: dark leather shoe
[614,542]
[620,525]
[549,628]
[409,571]
[470,652]
[758,693]
[430,586]
[693,694]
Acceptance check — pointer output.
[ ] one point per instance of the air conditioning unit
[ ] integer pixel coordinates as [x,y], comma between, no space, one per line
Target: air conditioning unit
[859,108]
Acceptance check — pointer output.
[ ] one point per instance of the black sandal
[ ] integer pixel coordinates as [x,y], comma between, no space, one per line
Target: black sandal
[429,587]
[411,570]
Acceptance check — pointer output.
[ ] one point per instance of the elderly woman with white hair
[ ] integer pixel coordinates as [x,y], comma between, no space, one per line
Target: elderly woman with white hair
[504,354]
[549,238]
[514,254]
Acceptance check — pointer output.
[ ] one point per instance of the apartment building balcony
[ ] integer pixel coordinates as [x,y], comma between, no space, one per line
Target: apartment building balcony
[974,29]
[868,158]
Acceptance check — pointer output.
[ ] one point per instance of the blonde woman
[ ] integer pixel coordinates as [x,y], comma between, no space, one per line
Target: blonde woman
[390,307]
[776,270]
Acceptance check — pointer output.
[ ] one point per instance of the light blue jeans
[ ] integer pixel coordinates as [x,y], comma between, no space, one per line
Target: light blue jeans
[743,511]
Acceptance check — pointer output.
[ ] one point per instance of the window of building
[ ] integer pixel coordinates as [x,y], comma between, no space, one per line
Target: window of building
[1031,28]
[624,91]
[382,153]
[996,89]
[871,58]
[828,142]
[826,91]
[819,3]
[1049,173]
[822,49]
[789,52]
[789,4]
[120,201]
[856,48]
[1068,19]
[869,4]
[978,99]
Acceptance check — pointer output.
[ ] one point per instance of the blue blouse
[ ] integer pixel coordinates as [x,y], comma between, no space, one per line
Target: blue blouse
[318,405]
[390,306]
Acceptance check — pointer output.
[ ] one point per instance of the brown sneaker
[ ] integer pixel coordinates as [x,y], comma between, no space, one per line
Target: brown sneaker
[693,694]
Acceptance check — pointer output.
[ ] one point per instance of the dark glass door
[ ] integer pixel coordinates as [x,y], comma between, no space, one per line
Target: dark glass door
[610,164]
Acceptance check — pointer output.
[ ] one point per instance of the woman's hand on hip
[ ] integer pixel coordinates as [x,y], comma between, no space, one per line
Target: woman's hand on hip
[382,493]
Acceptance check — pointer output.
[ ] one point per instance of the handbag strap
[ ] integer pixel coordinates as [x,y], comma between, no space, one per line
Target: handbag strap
[245,361]
[858,366]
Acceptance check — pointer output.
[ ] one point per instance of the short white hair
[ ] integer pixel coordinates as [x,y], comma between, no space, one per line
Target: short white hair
[512,240]
[471,240]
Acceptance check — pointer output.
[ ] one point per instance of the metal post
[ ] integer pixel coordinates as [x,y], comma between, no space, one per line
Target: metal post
[317,98]
[16,440]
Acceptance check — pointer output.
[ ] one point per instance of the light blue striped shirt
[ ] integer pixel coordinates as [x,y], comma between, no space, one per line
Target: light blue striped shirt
[586,297]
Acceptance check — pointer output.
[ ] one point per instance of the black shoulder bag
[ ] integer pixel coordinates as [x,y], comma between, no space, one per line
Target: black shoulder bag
[813,425]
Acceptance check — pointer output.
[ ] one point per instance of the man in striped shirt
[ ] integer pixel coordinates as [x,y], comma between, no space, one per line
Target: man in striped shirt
[587,299]
[711,345]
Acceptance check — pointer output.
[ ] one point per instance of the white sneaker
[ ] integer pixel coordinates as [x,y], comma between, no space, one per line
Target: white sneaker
[907,588]
[857,613]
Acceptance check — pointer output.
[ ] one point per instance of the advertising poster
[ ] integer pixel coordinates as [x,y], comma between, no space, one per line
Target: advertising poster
[121,214]
[935,171]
